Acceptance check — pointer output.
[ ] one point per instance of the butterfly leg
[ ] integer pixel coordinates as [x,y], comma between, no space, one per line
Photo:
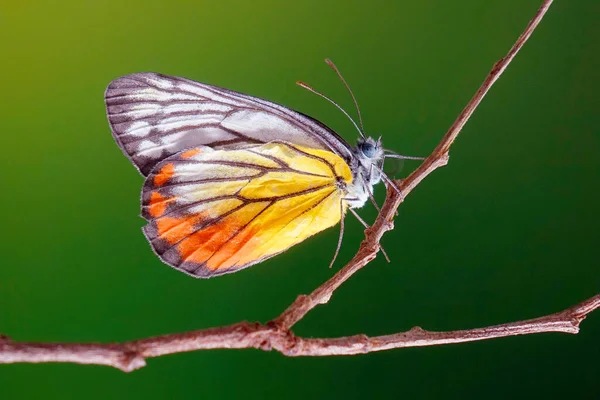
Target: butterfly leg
[370,193]
[339,245]
[362,221]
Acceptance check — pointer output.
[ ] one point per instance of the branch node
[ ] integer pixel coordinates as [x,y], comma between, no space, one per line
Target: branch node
[287,343]
[416,331]
[325,299]
[366,344]
[265,345]
[130,361]
[444,158]
[246,327]
[498,66]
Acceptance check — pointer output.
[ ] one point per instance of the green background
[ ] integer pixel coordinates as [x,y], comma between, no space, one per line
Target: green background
[508,231]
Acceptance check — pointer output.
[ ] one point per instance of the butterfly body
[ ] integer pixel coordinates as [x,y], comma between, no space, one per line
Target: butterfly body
[231,179]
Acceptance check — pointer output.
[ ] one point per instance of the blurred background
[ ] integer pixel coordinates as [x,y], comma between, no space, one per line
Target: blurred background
[507,231]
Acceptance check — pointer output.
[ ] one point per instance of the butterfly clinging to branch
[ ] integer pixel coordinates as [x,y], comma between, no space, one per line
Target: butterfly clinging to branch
[231,179]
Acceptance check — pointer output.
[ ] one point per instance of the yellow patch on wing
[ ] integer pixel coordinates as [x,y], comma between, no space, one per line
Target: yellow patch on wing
[286,223]
[229,209]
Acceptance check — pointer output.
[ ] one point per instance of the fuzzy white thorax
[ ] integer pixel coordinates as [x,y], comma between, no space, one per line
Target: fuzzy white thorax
[366,166]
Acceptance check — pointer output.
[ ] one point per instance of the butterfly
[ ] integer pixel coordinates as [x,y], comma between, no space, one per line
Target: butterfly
[230,179]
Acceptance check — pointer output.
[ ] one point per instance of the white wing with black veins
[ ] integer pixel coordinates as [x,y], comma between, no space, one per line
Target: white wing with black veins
[154,116]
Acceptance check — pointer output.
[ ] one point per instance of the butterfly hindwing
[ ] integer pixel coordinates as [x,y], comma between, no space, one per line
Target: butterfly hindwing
[154,116]
[216,211]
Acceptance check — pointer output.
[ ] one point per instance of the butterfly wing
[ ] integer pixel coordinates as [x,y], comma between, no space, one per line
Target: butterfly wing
[153,116]
[212,212]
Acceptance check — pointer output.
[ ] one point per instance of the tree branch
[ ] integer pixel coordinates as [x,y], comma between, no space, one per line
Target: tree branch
[276,334]
[384,222]
[132,355]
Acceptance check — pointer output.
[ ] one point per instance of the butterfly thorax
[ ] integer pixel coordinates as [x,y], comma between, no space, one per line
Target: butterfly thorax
[365,165]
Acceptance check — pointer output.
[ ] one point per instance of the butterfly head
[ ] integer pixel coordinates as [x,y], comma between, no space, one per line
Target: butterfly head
[370,150]
[366,167]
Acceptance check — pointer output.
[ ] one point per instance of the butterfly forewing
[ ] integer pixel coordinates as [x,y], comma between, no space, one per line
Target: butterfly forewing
[216,211]
[154,116]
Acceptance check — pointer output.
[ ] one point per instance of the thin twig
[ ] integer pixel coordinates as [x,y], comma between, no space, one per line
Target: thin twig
[130,356]
[276,334]
[384,222]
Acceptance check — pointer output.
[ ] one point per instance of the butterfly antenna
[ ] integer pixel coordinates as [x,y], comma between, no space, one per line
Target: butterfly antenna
[401,157]
[310,89]
[339,74]
[367,227]
[339,245]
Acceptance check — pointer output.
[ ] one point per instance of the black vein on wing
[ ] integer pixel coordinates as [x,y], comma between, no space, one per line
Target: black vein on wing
[150,186]
[308,125]
[160,103]
[153,127]
[202,225]
[217,143]
[158,115]
[251,102]
[323,160]
[178,90]
[219,92]
[246,202]
[174,208]
[279,161]
[241,229]
[239,164]
[223,93]
[312,207]
[297,119]
[147,82]
[163,126]
[138,99]
[237,232]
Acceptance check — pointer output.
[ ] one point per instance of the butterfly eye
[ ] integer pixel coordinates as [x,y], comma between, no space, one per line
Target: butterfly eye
[368,149]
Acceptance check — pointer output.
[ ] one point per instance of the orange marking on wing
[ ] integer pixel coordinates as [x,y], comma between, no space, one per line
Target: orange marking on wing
[190,153]
[174,229]
[201,245]
[164,175]
[222,259]
[158,204]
